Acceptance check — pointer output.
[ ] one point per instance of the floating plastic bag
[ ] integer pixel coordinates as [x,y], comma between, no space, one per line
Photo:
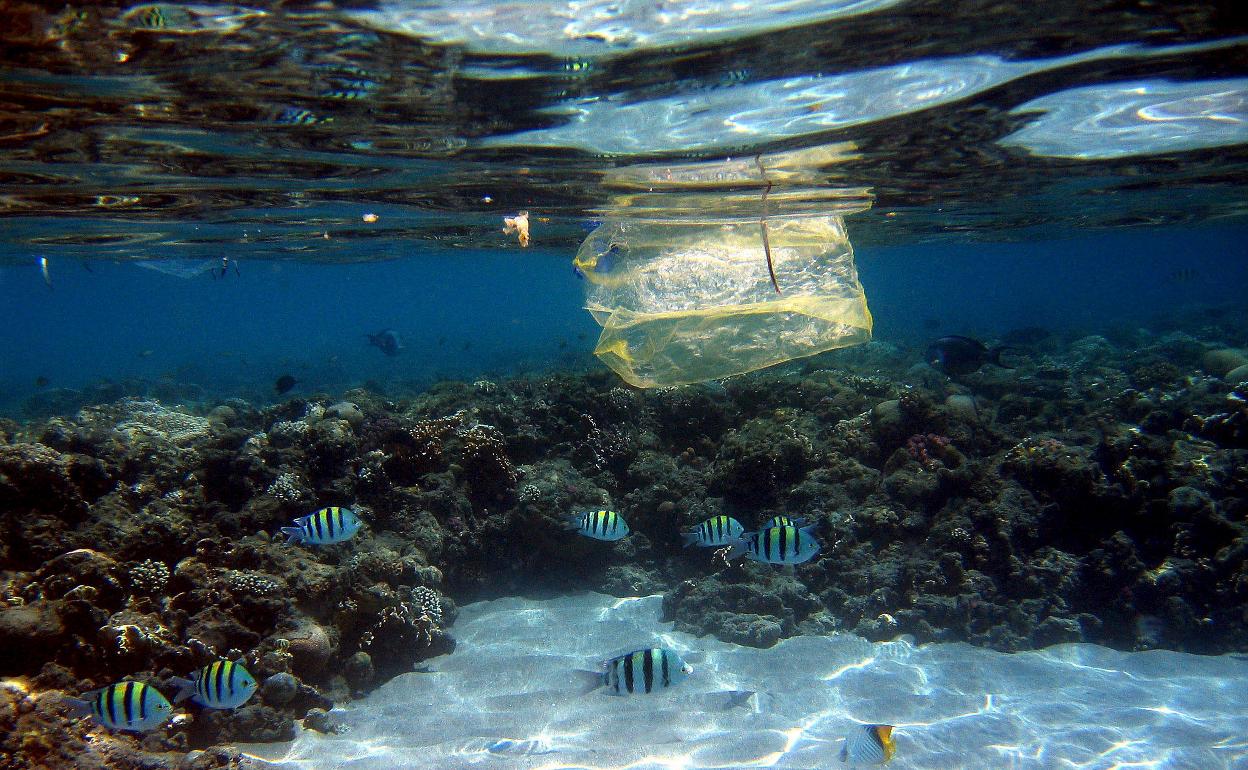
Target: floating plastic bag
[682,302]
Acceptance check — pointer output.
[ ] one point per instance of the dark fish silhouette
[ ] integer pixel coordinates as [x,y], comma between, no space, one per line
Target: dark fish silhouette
[42,382]
[955,355]
[387,340]
[284,383]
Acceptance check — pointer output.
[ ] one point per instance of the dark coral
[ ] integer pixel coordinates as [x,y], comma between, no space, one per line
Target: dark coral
[1091,494]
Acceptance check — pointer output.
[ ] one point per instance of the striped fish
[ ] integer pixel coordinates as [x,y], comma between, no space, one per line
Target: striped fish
[223,684]
[869,745]
[326,526]
[778,545]
[124,706]
[297,116]
[643,671]
[715,532]
[600,525]
[785,521]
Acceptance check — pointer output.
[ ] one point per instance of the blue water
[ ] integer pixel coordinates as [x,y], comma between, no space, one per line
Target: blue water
[506,700]
[508,312]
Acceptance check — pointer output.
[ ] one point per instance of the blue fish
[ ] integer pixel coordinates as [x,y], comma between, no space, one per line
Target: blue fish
[600,525]
[326,526]
[778,545]
[124,706]
[715,532]
[223,684]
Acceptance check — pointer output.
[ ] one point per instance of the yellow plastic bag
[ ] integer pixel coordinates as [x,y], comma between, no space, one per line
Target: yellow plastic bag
[681,302]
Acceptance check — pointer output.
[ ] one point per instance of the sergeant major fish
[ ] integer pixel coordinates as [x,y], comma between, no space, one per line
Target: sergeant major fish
[600,525]
[124,706]
[777,545]
[869,745]
[785,521]
[642,672]
[326,526]
[715,532]
[223,684]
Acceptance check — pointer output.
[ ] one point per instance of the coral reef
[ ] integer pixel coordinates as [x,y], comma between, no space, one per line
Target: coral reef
[1095,493]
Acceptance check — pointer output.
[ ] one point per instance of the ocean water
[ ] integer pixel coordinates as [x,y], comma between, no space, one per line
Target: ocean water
[507,698]
[196,200]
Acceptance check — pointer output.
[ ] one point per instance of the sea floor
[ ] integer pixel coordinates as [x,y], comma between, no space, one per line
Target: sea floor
[509,698]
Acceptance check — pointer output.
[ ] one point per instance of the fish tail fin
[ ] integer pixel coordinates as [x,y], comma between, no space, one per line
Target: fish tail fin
[186,688]
[994,355]
[293,535]
[588,681]
[80,707]
[689,538]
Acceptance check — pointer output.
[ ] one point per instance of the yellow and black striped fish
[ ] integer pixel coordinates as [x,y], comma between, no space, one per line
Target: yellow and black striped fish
[784,521]
[298,116]
[326,526]
[715,532]
[600,525]
[124,706]
[869,745]
[223,684]
[644,671]
[777,545]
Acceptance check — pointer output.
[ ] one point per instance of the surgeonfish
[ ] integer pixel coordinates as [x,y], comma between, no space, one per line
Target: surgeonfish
[715,532]
[777,545]
[124,706]
[223,684]
[643,671]
[956,355]
[785,521]
[387,341]
[869,745]
[600,525]
[326,526]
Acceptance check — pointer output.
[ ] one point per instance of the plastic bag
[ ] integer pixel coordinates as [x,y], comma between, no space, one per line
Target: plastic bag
[681,302]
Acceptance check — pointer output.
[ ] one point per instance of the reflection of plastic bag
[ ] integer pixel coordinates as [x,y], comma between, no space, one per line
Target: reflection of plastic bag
[682,302]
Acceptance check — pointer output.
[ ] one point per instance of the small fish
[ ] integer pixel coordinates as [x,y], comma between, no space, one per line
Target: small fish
[297,116]
[43,268]
[124,706]
[778,545]
[387,341]
[42,382]
[1184,275]
[325,527]
[956,355]
[600,525]
[869,745]
[643,671]
[284,384]
[715,532]
[224,684]
[350,90]
[785,521]
[578,66]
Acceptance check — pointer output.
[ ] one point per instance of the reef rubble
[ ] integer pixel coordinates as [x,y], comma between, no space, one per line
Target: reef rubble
[1098,492]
